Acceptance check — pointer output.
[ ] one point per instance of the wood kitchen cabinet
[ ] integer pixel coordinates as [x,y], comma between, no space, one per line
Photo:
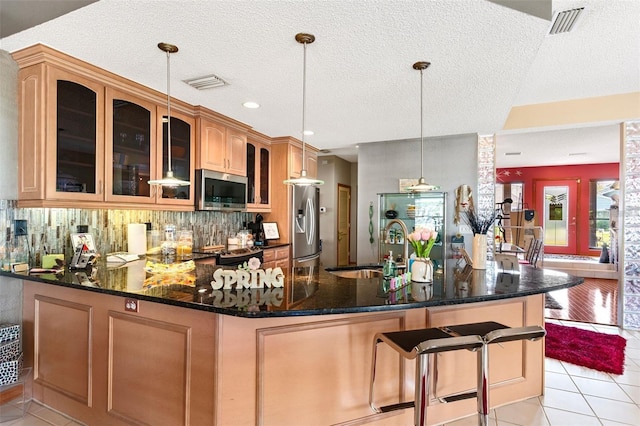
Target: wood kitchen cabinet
[258,172]
[61,137]
[101,364]
[130,147]
[276,257]
[310,161]
[88,137]
[183,129]
[165,356]
[222,143]
[288,152]
[136,154]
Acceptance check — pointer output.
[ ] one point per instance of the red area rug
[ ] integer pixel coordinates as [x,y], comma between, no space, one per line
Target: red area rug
[600,351]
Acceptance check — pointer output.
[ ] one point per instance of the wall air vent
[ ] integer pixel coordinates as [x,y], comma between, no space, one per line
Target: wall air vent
[565,21]
[513,153]
[206,82]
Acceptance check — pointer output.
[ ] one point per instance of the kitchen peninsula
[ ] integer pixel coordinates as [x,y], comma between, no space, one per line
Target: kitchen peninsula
[107,350]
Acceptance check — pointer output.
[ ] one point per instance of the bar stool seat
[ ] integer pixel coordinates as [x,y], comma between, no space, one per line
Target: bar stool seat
[492,332]
[419,345]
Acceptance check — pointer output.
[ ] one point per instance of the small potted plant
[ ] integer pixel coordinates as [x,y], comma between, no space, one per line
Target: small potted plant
[422,241]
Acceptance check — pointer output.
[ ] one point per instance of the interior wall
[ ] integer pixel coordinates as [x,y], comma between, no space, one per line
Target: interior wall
[10,300]
[10,288]
[8,127]
[583,172]
[449,161]
[332,170]
[353,258]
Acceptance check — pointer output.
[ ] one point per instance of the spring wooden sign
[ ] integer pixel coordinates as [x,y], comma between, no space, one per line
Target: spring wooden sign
[240,278]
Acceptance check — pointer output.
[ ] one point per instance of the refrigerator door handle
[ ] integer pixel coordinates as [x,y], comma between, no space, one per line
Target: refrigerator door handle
[307,259]
[312,221]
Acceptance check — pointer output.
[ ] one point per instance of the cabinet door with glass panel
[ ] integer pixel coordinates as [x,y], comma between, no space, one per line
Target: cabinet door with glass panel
[130,147]
[74,138]
[416,211]
[182,158]
[258,175]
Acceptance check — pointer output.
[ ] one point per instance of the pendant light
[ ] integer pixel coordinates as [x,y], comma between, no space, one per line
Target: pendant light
[303,180]
[169,180]
[422,185]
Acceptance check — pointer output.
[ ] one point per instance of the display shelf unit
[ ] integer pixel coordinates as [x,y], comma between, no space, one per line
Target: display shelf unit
[415,210]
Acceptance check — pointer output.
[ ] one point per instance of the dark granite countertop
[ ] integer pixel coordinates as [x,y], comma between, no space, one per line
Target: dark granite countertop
[317,293]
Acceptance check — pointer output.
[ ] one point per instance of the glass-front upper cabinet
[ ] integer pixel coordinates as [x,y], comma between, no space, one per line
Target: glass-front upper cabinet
[415,211]
[265,173]
[78,138]
[182,157]
[252,195]
[130,147]
[258,176]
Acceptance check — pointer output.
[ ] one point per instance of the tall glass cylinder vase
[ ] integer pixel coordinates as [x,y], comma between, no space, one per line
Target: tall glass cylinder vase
[479,251]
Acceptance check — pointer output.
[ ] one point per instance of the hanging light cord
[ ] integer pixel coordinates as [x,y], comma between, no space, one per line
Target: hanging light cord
[303,180]
[304,102]
[421,127]
[169,111]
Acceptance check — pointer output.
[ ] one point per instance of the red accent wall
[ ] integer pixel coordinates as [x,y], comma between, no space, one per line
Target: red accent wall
[583,172]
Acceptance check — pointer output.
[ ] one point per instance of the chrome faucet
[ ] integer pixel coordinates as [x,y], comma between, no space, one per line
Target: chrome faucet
[405,254]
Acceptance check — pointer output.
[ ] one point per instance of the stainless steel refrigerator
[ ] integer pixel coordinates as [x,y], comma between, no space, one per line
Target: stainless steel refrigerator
[306,223]
[305,240]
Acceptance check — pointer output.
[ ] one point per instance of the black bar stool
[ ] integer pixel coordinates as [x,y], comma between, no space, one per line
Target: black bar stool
[418,345]
[492,332]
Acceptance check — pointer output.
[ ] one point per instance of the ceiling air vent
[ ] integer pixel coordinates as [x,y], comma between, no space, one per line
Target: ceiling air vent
[565,21]
[206,82]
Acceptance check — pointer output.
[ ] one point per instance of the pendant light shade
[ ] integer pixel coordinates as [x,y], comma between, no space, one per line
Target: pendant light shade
[422,185]
[304,180]
[169,179]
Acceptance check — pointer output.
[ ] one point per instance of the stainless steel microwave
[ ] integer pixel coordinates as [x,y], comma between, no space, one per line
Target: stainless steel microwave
[220,191]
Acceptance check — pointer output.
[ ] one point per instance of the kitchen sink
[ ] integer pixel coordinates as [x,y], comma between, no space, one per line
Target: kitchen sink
[356,272]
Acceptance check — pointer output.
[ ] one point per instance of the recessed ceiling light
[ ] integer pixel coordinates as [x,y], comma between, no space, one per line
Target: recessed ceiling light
[357,146]
[308,132]
[513,153]
[251,105]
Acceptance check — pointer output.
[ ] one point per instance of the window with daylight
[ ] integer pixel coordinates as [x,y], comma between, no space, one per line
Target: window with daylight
[513,191]
[603,211]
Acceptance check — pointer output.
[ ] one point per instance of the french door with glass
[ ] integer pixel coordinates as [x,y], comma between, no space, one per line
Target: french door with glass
[557,202]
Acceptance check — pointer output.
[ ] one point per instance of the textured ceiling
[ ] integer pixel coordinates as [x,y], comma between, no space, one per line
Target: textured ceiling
[361,87]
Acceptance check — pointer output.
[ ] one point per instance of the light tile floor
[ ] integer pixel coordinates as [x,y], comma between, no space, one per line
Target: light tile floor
[573,395]
[579,396]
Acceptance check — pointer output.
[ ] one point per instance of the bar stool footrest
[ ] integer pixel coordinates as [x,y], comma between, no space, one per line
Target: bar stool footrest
[459,397]
[398,406]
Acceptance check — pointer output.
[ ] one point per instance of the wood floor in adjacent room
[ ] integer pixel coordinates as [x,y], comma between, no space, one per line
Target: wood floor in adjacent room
[595,301]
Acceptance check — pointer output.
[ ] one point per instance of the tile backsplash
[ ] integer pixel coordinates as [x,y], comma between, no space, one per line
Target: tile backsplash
[51,228]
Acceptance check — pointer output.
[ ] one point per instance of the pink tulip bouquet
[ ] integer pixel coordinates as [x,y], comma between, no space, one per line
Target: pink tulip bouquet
[422,241]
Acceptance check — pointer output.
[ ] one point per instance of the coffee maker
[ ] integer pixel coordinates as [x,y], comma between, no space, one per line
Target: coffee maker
[258,231]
